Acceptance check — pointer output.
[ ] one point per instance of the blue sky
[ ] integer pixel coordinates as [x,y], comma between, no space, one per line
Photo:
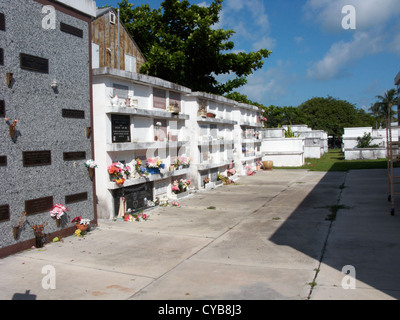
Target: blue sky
[312,54]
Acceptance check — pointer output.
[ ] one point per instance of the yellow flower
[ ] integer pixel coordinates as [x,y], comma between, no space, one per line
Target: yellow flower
[78,232]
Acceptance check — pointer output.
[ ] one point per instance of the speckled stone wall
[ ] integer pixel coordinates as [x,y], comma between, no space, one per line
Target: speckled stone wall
[38,108]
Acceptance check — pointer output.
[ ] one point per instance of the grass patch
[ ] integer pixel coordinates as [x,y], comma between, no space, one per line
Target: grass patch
[334,160]
[334,210]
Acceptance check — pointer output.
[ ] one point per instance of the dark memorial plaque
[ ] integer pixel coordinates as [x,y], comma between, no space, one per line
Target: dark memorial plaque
[38,205]
[1,57]
[33,63]
[77,155]
[3,161]
[77,197]
[2,109]
[4,212]
[120,128]
[134,196]
[36,158]
[71,30]
[2,22]
[75,114]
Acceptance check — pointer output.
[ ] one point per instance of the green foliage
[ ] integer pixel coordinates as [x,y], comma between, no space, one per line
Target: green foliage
[365,141]
[181,45]
[290,134]
[332,115]
[383,108]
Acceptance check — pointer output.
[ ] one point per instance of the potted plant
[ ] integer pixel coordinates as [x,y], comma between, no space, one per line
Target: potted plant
[58,211]
[39,234]
[81,224]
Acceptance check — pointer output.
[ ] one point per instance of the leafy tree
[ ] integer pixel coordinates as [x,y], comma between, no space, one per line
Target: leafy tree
[332,115]
[181,46]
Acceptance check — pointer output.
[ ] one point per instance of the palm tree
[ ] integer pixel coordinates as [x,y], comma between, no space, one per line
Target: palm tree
[377,114]
[387,101]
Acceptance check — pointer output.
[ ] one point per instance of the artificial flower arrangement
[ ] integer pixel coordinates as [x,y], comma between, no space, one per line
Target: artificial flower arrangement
[183,160]
[231,172]
[79,220]
[90,164]
[175,204]
[249,172]
[127,171]
[58,211]
[180,186]
[115,170]
[139,168]
[155,163]
[39,234]
[138,216]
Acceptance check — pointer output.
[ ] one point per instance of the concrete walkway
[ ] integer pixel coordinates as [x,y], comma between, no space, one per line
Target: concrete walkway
[263,239]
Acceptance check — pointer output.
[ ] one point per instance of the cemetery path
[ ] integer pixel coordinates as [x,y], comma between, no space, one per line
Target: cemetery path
[277,235]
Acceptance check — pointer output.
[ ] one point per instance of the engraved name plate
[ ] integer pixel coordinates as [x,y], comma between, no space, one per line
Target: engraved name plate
[71,30]
[38,205]
[36,158]
[2,109]
[77,197]
[121,128]
[77,155]
[71,113]
[3,161]
[33,63]
[4,212]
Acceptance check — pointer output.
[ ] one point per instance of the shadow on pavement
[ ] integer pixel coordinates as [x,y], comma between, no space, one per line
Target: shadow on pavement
[361,233]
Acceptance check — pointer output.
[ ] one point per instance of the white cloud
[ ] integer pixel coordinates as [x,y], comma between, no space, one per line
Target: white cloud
[264,43]
[370,14]
[342,54]
[374,19]
[269,86]
[249,20]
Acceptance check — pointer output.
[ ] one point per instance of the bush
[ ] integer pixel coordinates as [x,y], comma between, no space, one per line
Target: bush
[365,141]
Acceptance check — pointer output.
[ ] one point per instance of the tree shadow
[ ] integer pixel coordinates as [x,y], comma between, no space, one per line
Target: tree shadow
[361,233]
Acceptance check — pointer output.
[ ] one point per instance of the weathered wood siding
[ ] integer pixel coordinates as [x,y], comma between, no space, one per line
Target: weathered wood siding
[105,34]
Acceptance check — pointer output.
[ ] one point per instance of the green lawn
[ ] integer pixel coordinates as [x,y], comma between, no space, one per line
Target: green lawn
[334,161]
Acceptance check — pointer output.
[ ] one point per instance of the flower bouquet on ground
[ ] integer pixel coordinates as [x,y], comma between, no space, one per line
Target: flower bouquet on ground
[39,234]
[138,216]
[231,172]
[180,186]
[249,172]
[58,211]
[81,224]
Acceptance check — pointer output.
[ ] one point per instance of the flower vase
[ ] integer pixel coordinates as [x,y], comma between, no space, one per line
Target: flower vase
[91,173]
[81,227]
[38,242]
[153,170]
[58,222]
[16,232]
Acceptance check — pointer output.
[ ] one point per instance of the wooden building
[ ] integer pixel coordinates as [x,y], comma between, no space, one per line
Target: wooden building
[109,50]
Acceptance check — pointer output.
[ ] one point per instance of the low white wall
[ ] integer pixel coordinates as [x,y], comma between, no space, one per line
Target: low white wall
[365,154]
[284,152]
